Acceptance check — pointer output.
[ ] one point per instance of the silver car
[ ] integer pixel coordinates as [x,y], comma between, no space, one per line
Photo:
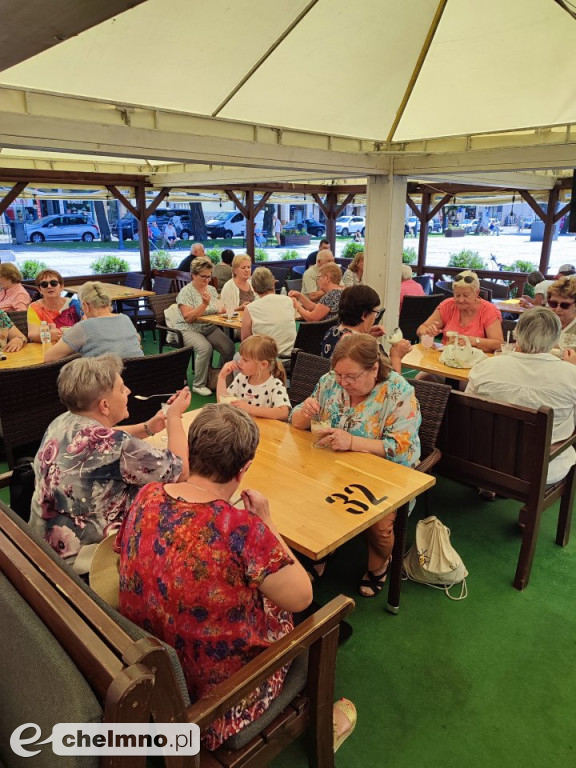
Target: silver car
[69,226]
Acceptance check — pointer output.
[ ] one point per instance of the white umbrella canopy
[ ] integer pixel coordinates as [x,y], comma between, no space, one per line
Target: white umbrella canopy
[373,69]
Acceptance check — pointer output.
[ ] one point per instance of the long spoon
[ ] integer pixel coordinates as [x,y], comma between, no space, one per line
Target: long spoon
[148,397]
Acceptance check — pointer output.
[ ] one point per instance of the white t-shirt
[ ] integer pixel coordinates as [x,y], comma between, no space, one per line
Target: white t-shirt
[273,315]
[271,394]
[532,381]
[543,289]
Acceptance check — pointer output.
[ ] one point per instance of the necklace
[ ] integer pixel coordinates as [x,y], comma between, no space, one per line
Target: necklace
[200,488]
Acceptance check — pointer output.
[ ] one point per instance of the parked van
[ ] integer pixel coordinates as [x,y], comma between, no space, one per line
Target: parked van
[229,224]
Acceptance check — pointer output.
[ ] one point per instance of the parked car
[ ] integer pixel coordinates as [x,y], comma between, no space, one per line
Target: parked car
[470,226]
[162,216]
[349,225]
[229,224]
[62,227]
[312,227]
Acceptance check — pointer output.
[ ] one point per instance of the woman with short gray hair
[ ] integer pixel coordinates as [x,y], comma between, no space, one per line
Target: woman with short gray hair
[100,332]
[87,471]
[271,314]
[194,300]
[531,376]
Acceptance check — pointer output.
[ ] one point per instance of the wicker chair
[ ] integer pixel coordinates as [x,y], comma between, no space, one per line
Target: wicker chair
[309,336]
[433,398]
[415,310]
[153,374]
[138,310]
[294,285]
[20,321]
[306,372]
[509,326]
[441,286]
[158,304]
[28,404]
[163,285]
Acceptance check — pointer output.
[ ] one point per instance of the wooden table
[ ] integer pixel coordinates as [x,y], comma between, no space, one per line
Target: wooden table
[428,360]
[116,292]
[222,320]
[319,498]
[510,305]
[30,354]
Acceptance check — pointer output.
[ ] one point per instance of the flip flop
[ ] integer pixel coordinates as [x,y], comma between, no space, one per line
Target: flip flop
[373,582]
[349,711]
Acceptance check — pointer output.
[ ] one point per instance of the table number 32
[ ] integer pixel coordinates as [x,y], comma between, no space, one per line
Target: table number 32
[359,506]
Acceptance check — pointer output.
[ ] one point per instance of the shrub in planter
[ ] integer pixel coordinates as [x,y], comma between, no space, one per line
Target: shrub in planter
[466,260]
[214,254]
[260,255]
[161,260]
[290,255]
[351,249]
[31,268]
[408,256]
[106,264]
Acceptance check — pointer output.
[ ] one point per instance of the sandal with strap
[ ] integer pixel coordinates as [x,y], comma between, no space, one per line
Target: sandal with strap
[373,582]
[312,569]
[349,711]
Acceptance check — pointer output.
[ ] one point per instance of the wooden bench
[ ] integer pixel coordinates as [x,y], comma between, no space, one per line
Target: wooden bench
[506,449]
[311,710]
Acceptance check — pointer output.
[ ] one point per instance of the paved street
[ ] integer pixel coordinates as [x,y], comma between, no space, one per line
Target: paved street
[507,248]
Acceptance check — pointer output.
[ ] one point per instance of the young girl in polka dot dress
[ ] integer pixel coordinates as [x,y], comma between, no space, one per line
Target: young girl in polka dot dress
[259,388]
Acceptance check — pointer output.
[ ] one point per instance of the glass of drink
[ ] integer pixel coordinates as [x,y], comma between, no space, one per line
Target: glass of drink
[230,312]
[320,422]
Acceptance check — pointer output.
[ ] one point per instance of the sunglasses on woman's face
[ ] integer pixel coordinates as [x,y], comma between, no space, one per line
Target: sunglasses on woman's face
[562,304]
[51,283]
[463,279]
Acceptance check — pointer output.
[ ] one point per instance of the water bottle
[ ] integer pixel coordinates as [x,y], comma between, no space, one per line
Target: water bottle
[283,292]
[45,337]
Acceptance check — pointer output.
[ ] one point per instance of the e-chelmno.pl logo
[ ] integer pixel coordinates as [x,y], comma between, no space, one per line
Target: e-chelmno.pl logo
[109,739]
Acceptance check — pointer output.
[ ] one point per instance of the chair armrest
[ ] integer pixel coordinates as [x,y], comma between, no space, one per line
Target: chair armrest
[5,478]
[177,333]
[227,694]
[557,448]
[430,461]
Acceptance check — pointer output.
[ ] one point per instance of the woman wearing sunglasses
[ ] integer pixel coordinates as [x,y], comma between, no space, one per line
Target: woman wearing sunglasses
[467,314]
[562,301]
[371,409]
[57,311]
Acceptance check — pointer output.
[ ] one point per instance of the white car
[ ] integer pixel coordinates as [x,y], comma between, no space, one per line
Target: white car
[349,225]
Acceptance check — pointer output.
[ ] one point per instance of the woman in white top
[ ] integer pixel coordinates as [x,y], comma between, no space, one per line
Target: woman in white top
[238,291]
[353,275]
[271,314]
[101,332]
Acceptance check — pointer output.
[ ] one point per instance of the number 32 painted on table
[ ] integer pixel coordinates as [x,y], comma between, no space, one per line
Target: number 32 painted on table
[361,505]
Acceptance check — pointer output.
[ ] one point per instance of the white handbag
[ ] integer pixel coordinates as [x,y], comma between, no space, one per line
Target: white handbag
[457,356]
[432,560]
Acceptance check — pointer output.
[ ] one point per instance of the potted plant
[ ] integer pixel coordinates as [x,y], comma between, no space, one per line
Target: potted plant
[293,236]
[454,231]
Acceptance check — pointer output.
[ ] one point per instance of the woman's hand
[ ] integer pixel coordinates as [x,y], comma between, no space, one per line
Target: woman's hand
[228,368]
[568,354]
[180,402]
[400,349]
[337,439]
[433,329]
[310,407]
[377,331]
[15,344]
[205,296]
[55,333]
[295,295]
[257,503]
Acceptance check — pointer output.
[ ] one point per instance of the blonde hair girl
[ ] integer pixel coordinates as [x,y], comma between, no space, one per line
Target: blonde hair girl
[259,386]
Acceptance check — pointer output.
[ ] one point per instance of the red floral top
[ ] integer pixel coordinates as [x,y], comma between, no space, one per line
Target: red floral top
[189,574]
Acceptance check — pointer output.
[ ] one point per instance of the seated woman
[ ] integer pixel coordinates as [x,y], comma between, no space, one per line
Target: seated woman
[353,275]
[358,309]
[194,300]
[329,279]
[87,472]
[467,314]
[13,296]
[372,409]
[57,311]
[409,286]
[562,301]
[531,376]
[260,386]
[100,332]
[215,581]
[15,339]
[238,292]
[271,314]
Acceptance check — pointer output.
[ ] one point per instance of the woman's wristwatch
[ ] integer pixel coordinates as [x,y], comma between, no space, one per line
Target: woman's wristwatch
[148,430]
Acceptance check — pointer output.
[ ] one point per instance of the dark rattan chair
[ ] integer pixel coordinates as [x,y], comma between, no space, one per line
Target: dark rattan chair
[509,326]
[163,285]
[499,290]
[441,286]
[309,336]
[306,372]
[294,285]
[432,397]
[426,281]
[20,321]
[28,404]
[415,310]
[151,375]
[158,304]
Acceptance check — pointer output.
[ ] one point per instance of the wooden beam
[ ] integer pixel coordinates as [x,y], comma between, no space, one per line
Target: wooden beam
[548,231]
[30,27]
[164,192]
[347,200]
[119,196]
[423,241]
[9,197]
[561,212]
[143,239]
[63,178]
[262,202]
[438,207]
[237,202]
[533,204]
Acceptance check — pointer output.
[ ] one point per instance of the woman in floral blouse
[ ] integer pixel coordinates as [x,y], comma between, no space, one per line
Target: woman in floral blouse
[371,409]
[87,472]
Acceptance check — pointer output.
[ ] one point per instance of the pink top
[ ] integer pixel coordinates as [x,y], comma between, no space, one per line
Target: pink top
[450,314]
[410,288]
[15,299]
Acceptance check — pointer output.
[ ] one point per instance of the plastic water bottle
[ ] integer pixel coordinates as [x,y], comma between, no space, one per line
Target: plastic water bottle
[283,291]
[45,337]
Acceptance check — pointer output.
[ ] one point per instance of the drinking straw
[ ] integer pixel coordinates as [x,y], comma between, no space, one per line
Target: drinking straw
[508,338]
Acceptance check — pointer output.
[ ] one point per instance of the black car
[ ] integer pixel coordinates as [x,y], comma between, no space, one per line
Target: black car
[162,216]
[314,227]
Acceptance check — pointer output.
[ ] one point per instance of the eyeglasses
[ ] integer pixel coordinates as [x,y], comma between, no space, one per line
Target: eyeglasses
[379,313]
[463,279]
[205,277]
[51,283]
[562,304]
[348,378]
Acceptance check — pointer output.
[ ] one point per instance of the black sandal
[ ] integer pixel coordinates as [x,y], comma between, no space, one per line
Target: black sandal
[373,582]
[311,567]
